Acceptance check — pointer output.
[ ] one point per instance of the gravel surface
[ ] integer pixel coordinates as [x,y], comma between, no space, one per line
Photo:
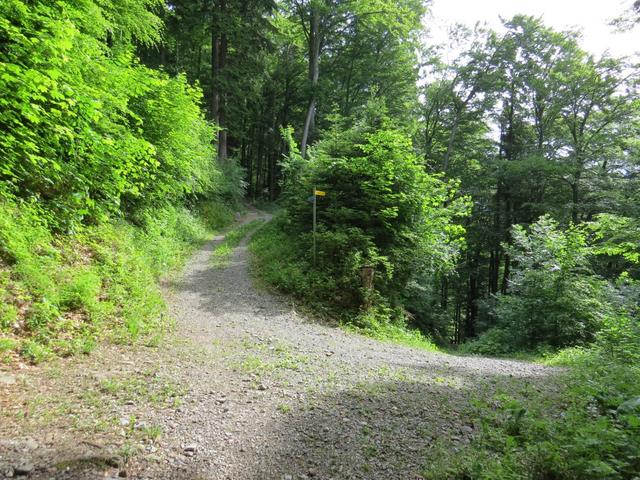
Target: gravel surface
[250,389]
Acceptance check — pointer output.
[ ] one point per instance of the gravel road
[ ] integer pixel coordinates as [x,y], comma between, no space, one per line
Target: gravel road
[266,393]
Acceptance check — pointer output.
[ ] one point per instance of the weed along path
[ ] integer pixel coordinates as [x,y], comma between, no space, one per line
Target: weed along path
[247,389]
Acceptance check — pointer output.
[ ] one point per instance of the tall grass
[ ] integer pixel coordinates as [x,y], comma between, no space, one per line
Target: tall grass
[62,294]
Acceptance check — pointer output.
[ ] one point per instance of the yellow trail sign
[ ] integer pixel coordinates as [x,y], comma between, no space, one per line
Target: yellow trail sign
[319,193]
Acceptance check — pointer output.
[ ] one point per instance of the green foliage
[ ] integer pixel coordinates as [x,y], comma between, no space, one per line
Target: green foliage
[381,210]
[90,138]
[215,214]
[616,236]
[492,342]
[554,298]
[60,294]
[278,260]
[591,431]
[383,324]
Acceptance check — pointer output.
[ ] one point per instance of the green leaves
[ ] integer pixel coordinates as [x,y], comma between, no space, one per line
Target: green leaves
[89,131]
[381,209]
[555,299]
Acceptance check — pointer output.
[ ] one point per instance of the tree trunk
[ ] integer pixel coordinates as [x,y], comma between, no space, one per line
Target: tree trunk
[472,297]
[219,47]
[452,137]
[505,274]
[575,198]
[314,74]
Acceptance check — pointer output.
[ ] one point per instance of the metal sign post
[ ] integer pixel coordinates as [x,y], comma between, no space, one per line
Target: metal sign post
[316,194]
[314,225]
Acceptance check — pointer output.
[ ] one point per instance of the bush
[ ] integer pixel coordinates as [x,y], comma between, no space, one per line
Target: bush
[381,210]
[90,139]
[592,433]
[554,298]
[61,294]
[278,260]
[492,342]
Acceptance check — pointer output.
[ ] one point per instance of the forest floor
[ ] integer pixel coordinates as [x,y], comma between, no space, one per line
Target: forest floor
[247,388]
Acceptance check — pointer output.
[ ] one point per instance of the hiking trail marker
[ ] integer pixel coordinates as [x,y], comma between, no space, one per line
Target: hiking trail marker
[316,193]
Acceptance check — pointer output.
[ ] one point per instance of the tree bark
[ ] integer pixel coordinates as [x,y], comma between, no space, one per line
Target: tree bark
[314,42]
[219,47]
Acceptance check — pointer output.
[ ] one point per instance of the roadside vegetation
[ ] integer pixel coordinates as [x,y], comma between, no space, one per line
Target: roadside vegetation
[108,179]
[485,202]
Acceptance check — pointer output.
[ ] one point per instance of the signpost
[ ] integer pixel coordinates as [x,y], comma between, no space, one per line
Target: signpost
[316,194]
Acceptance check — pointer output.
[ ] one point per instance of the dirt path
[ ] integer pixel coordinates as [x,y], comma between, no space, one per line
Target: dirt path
[249,389]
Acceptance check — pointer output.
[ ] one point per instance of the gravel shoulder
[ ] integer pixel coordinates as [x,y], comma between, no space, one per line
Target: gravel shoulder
[246,388]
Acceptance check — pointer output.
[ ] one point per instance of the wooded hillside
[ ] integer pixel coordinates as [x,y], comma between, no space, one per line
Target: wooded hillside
[489,204]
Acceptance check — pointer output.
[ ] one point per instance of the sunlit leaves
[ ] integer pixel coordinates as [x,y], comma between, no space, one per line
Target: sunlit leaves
[81,131]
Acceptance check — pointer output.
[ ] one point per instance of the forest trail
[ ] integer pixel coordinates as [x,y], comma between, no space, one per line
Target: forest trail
[250,389]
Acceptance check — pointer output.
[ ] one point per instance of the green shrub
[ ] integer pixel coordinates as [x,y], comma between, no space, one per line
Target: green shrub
[34,351]
[492,342]
[215,214]
[88,139]
[278,261]
[42,314]
[381,210]
[589,429]
[554,298]
[7,345]
[8,316]
[101,282]
[81,290]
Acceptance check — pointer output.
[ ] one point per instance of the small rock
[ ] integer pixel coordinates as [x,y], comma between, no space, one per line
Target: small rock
[30,444]
[192,447]
[23,469]
[287,477]
[262,386]
[311,472]
[7,379]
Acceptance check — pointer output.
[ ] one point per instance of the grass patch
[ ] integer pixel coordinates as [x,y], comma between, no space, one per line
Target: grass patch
[61,294]
[590,429]
[379,326]
[222,254]
[264,359]
[141,388]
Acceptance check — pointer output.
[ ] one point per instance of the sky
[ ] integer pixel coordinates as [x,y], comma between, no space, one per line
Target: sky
[591,16]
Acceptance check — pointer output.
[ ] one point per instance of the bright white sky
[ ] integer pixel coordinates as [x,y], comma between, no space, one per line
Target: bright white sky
[590,16]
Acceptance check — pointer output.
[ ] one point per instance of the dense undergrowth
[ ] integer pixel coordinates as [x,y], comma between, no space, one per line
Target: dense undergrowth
[108,175]
[62,294]
[280,262]
[588,429]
